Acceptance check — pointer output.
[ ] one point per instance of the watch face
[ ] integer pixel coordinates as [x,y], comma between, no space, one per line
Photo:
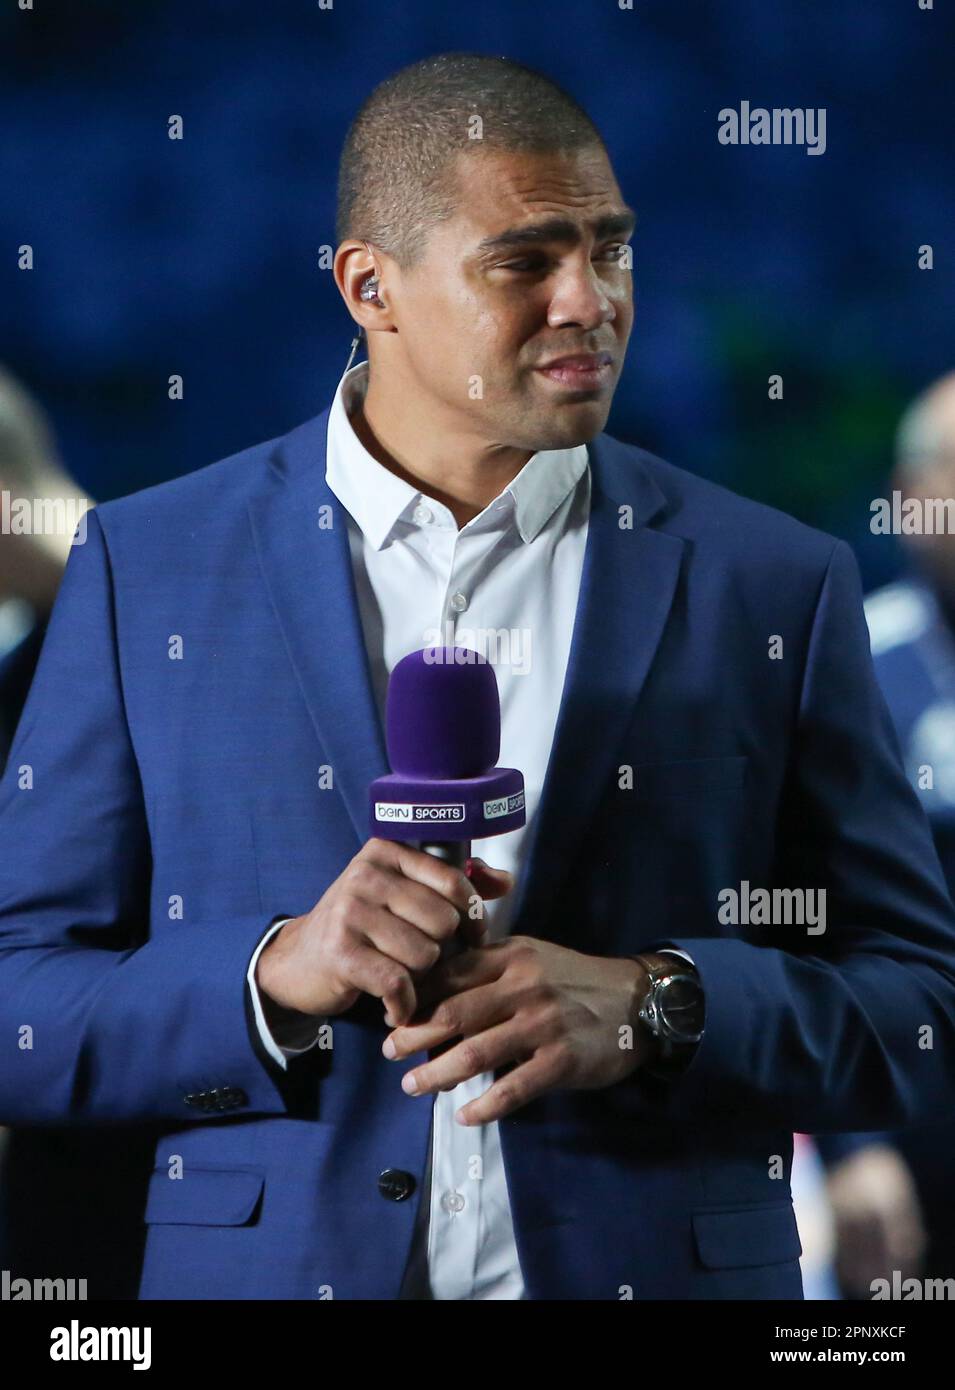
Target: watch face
[680,1003]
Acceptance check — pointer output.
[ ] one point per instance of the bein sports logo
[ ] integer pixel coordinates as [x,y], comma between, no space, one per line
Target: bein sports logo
[503,806]
[409,811]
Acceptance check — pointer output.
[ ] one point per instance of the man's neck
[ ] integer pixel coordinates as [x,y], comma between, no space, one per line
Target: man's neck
[465,477]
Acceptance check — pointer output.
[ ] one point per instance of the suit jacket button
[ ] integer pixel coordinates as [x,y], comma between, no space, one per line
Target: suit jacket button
[230,1098]
[396,1184]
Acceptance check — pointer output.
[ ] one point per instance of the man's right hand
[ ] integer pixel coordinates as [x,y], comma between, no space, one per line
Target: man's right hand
[377,928]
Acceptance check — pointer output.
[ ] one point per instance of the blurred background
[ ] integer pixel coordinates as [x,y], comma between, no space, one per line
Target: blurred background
[201,257]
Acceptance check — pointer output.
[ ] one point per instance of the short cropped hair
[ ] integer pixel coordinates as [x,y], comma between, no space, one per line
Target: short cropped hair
[396,177]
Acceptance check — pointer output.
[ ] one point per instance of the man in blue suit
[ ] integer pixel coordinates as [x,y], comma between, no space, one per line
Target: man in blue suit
[727,923]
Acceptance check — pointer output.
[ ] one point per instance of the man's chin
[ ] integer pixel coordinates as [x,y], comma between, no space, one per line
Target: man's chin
[564,426]
[577,428]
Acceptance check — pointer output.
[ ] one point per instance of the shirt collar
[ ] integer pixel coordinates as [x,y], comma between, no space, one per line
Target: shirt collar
[378,499]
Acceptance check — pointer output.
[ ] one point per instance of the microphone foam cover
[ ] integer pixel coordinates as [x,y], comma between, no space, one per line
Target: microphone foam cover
[443,715]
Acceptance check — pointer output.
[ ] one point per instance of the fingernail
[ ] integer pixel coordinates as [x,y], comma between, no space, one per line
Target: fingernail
[409,1085]
[468,868]
[389,1050]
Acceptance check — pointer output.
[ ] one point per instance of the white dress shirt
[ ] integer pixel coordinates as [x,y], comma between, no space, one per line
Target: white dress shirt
[506,585]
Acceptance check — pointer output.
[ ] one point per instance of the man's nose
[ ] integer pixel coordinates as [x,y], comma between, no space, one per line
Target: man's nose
[580,297]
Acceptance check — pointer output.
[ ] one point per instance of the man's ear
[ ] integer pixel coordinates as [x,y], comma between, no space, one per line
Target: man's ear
[359,281]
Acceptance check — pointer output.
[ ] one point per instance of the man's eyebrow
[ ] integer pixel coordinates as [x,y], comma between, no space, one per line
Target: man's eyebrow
[560,229]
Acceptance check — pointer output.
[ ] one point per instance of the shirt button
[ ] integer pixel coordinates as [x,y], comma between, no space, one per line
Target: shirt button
[452,1202]
[459,602]
[422,514]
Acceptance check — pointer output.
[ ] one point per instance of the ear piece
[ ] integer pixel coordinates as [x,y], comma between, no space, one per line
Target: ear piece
[369,290]
[368,293]
[354,347]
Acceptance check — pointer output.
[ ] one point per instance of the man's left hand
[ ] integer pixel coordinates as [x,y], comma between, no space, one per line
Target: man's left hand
[562,1018]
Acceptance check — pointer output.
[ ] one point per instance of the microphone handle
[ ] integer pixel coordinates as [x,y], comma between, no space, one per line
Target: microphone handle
[456,852]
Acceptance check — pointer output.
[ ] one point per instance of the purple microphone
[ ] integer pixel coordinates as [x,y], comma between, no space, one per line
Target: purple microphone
[443,729]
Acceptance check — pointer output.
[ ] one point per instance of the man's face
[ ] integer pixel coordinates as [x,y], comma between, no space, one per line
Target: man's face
[526,272]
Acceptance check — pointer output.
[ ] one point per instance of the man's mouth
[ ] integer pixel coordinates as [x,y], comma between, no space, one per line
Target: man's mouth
[582,371]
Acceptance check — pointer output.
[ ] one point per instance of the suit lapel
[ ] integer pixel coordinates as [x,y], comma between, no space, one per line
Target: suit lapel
[627,587]
[308,573]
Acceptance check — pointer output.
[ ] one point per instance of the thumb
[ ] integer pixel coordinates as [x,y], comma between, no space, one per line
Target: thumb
[490,883]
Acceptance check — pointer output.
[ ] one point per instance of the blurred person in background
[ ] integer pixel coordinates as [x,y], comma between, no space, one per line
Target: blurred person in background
[891,1193]
[32,560]
[31,563]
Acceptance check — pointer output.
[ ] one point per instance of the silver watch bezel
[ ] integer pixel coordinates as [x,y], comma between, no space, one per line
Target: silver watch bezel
[652,1010]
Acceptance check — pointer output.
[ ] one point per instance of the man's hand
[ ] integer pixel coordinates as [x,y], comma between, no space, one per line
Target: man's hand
[376,930]
[556,1013]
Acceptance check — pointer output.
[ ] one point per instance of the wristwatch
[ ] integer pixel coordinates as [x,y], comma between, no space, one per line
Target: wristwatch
[672,1008]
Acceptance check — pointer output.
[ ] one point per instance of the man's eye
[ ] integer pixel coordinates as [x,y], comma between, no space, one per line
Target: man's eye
[536,264]
[530,263]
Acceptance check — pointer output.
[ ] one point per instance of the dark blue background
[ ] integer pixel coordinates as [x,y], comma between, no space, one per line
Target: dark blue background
[200,256]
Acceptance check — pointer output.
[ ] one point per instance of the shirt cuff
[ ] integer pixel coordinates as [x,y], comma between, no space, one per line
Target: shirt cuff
[674,951]
[276,1050]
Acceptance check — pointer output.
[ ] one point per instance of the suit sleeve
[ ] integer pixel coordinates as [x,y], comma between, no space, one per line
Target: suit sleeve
[99,1022]
[853,1029]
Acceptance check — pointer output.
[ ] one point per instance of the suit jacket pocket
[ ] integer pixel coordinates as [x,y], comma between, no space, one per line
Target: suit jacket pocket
[741,1236]
[204,1197]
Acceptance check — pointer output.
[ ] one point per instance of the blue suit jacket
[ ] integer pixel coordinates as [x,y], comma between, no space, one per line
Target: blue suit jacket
[157,814]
